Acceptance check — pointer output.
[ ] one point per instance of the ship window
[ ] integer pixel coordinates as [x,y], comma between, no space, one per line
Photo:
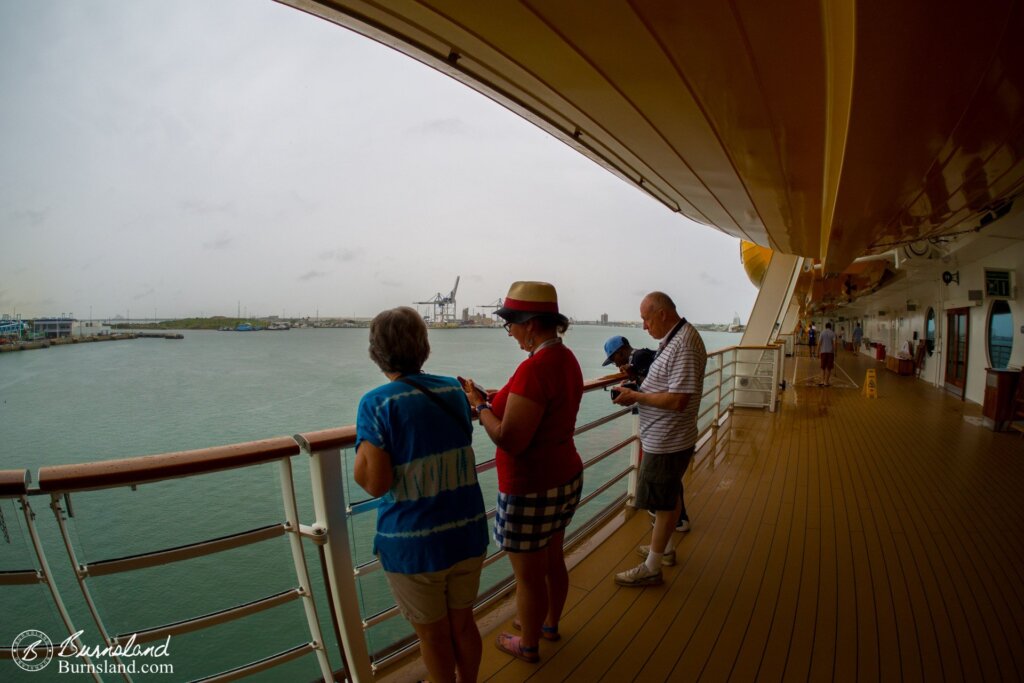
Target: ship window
[1000,334]
[929,330]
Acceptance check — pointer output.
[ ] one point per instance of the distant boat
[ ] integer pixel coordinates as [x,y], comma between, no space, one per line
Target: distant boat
[244,327]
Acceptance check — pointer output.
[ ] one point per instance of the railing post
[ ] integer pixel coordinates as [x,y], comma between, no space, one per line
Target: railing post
[329,507]
[81,575]
[718,392]
[775,379]
[291,513]
[44,568]
[634,462]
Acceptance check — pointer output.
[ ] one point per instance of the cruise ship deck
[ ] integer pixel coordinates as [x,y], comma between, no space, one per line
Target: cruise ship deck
[840,538]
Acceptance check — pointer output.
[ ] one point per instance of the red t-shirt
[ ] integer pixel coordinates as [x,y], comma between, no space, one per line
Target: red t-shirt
[552,378]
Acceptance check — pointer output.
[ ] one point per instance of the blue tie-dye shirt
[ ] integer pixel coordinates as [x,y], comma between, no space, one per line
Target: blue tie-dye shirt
[433,516]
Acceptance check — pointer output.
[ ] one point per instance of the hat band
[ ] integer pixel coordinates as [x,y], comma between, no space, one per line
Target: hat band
[531,306]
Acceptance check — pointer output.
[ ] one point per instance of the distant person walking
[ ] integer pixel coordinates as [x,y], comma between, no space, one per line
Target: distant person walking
[668,400]
[812,340]
[858,336]
[414,450]
[827,351]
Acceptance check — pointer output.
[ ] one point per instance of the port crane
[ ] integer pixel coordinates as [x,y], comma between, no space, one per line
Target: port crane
[444,310]
[496,305]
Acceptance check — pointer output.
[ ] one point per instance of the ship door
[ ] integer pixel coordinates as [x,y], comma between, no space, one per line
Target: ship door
[957,332]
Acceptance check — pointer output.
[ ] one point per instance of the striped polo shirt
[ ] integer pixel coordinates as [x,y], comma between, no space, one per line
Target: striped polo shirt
[678,369]
[433,516]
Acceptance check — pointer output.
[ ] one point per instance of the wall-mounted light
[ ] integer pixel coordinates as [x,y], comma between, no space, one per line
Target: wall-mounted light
[948,277]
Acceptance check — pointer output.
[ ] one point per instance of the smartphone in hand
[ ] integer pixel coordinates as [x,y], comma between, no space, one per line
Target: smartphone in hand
[471,387]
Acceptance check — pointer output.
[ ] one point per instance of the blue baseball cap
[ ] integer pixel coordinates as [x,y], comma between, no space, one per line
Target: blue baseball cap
[613,345]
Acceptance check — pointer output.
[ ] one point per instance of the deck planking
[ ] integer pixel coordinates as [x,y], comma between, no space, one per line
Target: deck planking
[840,538]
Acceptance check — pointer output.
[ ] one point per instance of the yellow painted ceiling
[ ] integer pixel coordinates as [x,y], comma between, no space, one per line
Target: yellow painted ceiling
[823,129]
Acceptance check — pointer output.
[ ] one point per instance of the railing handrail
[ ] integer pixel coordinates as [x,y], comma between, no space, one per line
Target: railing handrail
[327,439]
[149,468]
[13,482]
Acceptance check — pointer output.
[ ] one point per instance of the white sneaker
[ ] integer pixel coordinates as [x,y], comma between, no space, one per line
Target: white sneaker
[667,560]
[640,576]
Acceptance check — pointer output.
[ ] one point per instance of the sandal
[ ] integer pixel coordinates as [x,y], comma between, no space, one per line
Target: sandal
[546,632]
[513,645]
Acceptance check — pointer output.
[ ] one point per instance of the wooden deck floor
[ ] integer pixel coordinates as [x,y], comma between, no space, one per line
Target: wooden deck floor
[842,538]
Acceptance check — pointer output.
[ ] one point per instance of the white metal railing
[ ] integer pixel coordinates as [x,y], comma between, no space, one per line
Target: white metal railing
[329,533]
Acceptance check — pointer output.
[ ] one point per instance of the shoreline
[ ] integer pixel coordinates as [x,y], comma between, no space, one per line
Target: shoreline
[67,341]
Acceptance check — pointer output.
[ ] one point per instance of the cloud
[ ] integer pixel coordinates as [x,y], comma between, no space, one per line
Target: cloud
[311,275]
[446,127]
[222,242]
[31,218]
[390,283]
[148,291]
[340,255]
[204,208]
[710,279]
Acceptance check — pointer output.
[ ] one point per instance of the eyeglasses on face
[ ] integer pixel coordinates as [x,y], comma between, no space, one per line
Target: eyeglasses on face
[508,326]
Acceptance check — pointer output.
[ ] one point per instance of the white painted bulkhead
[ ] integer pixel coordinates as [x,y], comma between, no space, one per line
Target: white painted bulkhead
[921,288]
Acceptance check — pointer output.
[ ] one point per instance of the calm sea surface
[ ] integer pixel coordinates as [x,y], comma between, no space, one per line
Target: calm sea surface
[127,398]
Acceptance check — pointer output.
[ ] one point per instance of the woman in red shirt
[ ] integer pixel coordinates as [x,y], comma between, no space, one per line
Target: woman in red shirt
[540,474]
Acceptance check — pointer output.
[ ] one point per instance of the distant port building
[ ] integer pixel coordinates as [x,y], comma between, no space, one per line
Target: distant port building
[89,328]
[52,328]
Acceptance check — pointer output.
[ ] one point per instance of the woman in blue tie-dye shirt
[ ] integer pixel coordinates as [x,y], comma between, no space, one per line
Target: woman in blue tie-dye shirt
[414,450]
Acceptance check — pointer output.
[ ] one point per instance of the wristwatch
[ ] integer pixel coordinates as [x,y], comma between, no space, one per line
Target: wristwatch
[481,408]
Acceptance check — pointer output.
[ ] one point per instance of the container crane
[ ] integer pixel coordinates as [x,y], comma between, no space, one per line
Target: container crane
[444,311]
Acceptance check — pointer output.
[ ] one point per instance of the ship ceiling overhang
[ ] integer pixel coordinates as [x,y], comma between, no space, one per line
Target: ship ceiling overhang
[823,129]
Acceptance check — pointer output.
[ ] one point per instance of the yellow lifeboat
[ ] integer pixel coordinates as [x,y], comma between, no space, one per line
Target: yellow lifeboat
[755,260]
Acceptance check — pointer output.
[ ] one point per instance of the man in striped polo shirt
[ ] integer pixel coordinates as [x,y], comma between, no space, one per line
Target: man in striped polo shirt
[668,400]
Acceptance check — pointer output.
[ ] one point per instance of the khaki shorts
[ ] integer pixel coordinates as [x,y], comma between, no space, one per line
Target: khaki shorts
[660,483]
[427,597]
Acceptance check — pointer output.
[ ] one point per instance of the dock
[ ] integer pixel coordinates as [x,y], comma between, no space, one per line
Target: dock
[65,341]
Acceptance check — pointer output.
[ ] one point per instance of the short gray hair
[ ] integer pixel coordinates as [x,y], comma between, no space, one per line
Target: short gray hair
[398,341]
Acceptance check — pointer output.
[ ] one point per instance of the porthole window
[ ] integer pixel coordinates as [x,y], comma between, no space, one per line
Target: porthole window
[929,331]
[1000,334]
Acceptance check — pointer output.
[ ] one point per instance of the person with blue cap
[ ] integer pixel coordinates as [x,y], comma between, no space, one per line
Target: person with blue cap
[633,362]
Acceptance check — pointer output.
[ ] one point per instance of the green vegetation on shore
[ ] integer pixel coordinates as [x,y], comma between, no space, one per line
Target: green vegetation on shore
[187,324]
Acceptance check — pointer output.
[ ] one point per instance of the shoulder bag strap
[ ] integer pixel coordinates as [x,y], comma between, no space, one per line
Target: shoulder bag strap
[466,426]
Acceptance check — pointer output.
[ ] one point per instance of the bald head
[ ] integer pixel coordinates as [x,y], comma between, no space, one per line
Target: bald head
[660,301]
[658,312]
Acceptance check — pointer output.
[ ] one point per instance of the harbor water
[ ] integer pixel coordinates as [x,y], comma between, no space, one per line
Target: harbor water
[136,397]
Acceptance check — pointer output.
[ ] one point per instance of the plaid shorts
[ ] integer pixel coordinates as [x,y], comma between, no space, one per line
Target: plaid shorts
[526,523]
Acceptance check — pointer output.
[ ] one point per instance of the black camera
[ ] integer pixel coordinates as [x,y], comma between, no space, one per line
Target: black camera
[628,385]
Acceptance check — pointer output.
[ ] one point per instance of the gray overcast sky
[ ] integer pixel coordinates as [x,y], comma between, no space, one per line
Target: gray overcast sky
[175,158]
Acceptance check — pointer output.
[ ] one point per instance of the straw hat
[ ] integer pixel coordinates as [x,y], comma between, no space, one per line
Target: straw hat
[529,299]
